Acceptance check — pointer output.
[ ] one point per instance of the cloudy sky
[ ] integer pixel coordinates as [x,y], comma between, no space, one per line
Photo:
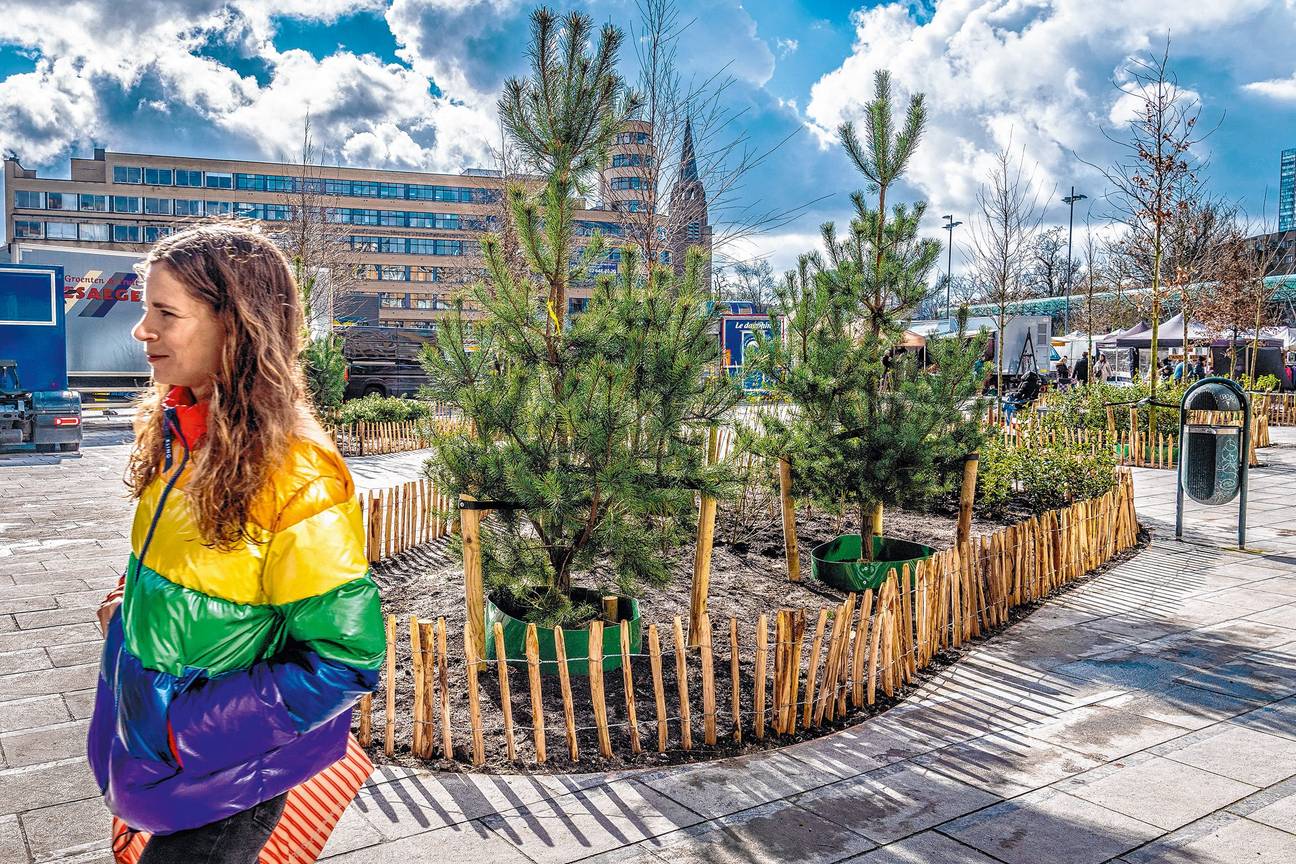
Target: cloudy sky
[413,83]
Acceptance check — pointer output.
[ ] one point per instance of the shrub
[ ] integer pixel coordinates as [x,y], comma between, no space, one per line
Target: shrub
[1037,479]
[324,369]
[382,409]
[1085,407]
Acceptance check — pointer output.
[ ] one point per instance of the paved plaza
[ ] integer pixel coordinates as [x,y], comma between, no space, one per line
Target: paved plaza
[1147,715]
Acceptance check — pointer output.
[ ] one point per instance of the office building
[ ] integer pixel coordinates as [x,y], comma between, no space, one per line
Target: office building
[413,237]
[1287,190]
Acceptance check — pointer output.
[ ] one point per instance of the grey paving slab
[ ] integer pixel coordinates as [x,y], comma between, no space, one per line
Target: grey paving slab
[466,843]
[589,822]
[1050,826]
[47,681]
[1278,718]
[39,786]
[895,801]
[67,829]
[1104,733]
[855,751]
[1235,751]
[719,788]
[778,831]
[34,711]
[24,661]
[1183,705]
[45,744]
[928,847]
[1153,789]
[47,636]
[1224,838]
[1007,763]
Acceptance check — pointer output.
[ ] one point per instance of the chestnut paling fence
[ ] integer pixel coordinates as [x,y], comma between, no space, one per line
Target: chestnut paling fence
[872,642]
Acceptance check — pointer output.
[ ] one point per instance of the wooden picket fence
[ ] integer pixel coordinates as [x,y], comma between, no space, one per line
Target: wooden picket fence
[1131,447]
[399,518]
[1278,408]
[371,439]
[868,644]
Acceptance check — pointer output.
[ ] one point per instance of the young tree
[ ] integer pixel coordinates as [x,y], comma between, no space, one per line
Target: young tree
[871,427]
[746,282]
[1155,173]
[590,427]
[1050,273]
[1004,232]
[1238,299]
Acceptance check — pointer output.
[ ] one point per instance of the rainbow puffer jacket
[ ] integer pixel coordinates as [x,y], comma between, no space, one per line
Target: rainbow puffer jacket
[227,678]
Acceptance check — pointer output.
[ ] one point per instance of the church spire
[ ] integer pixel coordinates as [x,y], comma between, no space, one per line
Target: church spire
[688,161]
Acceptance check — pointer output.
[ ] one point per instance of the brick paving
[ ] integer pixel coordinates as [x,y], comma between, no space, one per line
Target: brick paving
[1149,715]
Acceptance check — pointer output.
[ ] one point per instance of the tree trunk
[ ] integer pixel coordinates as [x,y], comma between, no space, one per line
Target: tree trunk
[867,529]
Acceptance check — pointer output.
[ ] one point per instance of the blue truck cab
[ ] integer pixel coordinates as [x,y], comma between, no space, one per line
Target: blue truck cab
[37,411]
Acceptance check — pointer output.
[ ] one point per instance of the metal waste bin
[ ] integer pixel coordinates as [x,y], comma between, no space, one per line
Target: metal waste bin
[1213,456]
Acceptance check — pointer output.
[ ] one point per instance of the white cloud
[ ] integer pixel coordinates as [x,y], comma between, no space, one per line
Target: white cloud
[786,47]
[1038,71]
[1282,89]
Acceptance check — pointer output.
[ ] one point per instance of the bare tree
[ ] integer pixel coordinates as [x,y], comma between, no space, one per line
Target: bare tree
[1238,299]
[1051,273]
[746,281]
[692,170]
[1156,171]
[1005,227]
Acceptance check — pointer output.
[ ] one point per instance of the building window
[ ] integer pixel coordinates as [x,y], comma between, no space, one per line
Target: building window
[392,245]
[154,233]
[29,200]
[694,232]
[157,206]
[391,190]
[219,180]
[60,201]
[632,138]
[60,231]
[364,217]
[393,273]
[125,233]
[578,304]
[621,184]
[425,274]
[157,176]
[422,246]
[337,187]
[361,243]
[93,203]
[127,174]
[185,177]
[392,301]
[391,218]
[630,160]
[251,182]
[219,208]
[93,231]
[364,189]
[25,229]
[366,271]
[339,215]
[247,210]
[125,204]
[276,183]
[278,212]
[188,207]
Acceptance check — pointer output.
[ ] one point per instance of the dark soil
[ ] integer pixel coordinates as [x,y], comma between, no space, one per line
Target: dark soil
[748,578]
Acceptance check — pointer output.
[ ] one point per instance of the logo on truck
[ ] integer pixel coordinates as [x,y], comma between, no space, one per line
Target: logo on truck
[118,288]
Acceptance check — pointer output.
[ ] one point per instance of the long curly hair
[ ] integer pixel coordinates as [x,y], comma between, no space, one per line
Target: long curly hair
[258,403]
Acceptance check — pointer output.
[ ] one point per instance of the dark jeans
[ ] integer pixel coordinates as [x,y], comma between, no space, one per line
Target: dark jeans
[236,839]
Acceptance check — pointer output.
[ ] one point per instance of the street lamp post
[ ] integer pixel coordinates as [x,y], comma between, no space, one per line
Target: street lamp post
[1070,201]
[949,226]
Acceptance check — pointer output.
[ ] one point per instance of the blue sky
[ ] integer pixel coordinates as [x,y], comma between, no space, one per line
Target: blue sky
[412,84]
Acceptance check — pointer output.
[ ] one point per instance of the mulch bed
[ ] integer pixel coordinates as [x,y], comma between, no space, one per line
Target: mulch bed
[747,578]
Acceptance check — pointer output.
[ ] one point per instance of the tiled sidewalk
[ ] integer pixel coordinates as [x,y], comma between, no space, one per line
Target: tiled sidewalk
[1147,715]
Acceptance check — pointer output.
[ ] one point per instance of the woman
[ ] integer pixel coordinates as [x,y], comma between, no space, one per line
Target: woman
[1102,369]
[247,624]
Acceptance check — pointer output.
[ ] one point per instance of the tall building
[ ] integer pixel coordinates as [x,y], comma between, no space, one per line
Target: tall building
[413,236]
[690,223]
[1287,190]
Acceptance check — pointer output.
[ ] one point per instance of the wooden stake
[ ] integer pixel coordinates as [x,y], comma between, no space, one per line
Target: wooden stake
[627,678]
[702,554]
[611,608]
[812,672]
[597,697]
[389,742]
[790,554]
[537,701]
[659,690]
[861,638]
[681,676]
[708,683]
[762,659]
[564,678]
[470,522]
[830,663]
[967,495]
[447,746]
[506,704]
[366,720]
[416,661]
[734,681]
[427,639]
[471,660]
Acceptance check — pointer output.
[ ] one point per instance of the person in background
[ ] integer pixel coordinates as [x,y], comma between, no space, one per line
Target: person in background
[1027,393]
[1180,367]
[1063,374]
[1081,373]
[1102,369]
[1167,369]
[1199,368]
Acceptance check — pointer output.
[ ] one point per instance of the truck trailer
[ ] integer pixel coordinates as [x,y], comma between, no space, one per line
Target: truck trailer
[37,410]
[102,301]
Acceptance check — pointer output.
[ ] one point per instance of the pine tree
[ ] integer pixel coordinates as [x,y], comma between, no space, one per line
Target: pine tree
[590,426]
[870,426]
